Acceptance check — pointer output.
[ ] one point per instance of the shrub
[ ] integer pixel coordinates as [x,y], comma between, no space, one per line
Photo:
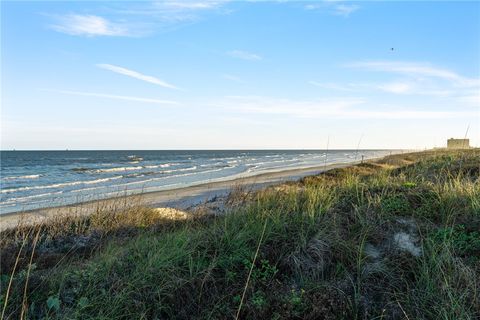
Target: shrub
[395,204]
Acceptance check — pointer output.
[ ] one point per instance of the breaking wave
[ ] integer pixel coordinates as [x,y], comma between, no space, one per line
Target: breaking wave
[60,185]
[27,177]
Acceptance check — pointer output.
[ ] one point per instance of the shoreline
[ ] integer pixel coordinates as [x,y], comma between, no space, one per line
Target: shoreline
[180,198]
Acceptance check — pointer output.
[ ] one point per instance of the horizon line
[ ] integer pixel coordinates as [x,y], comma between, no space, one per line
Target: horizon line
[254,149]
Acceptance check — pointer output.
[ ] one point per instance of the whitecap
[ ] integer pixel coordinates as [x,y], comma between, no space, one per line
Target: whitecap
[60,185]
[31,176]
[19,199]
[117,169]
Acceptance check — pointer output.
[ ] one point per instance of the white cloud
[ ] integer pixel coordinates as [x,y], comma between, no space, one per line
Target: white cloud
[313,6]
[232,78]
[244,55]
[117,97]
[136,19]
[391,87]
[331,86]
[331,108]
[89,25]
[426,79]
[415,70]
[192,5]
[136,75]
[335,7]
[345,9]
[396,87]
[472,99]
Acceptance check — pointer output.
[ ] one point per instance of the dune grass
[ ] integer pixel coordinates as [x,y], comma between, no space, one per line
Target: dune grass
[392,239]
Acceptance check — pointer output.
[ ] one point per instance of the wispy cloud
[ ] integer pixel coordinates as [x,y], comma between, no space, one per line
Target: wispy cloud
[135,19]
[330,108]
[413,78]
[392,87]
[414,70]
[331,86]
[297,108]
[232,78]
[88,25]
[334,7]
[117,97]
[244,55]
[396,87]
[345,10]
[136,75]
[192,5]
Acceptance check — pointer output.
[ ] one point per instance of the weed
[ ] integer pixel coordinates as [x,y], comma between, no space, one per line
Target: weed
[258,300]
[396,204]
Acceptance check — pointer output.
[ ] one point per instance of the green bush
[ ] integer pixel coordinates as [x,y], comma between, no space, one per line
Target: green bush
[395,204]
[464,242]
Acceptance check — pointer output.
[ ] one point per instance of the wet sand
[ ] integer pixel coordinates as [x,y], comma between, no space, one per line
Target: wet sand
[181,198]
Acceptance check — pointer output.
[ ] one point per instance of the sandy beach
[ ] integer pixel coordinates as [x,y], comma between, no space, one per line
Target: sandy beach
[180,198]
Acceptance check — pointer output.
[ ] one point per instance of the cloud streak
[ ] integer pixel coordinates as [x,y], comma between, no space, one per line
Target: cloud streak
[136,75]
[244,55]
[331,86]
[136,19]
[89,25]
[416,70]
[331,108]
[116,97]
[345,10]
[232,77]
[334,7]
[192,5]
[413,78]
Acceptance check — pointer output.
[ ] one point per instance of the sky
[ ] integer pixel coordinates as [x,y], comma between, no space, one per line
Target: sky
[239,75]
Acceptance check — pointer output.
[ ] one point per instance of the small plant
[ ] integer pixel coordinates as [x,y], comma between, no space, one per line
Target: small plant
[395,204]
[464,242]
[230,276]
[53,303]
[409,184]
[266,271]
[259,300]
[263,273]
[82,302]
[296,300]
[236,299]
[427,204]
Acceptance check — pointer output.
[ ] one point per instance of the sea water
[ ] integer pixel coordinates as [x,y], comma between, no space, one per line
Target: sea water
[38,179]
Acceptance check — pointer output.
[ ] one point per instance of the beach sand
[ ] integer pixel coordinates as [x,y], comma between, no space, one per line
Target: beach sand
[181,198]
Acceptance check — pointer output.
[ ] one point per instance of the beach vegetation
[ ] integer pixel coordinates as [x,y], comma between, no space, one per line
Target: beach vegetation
[396,238]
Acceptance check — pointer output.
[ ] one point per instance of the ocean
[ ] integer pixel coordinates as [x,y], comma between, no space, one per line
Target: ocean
[39,179]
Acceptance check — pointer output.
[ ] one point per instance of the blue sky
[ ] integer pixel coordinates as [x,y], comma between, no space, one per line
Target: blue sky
[239,75]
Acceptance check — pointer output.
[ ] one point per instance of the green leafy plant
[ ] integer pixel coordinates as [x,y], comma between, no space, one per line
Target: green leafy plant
[53,303]
[296,300]
[83,302]
[409,184]
[264,272]
[395,204]
[464,242]
[259,300]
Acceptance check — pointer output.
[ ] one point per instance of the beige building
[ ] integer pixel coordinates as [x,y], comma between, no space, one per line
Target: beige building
[458,143]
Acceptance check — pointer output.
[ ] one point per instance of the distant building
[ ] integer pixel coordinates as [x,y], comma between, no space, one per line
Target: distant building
[458,143]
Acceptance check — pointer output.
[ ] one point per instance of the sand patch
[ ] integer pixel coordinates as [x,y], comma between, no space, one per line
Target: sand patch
[171,213]
[406,242]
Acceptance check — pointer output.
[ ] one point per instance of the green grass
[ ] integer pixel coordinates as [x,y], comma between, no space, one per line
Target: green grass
[326,245]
